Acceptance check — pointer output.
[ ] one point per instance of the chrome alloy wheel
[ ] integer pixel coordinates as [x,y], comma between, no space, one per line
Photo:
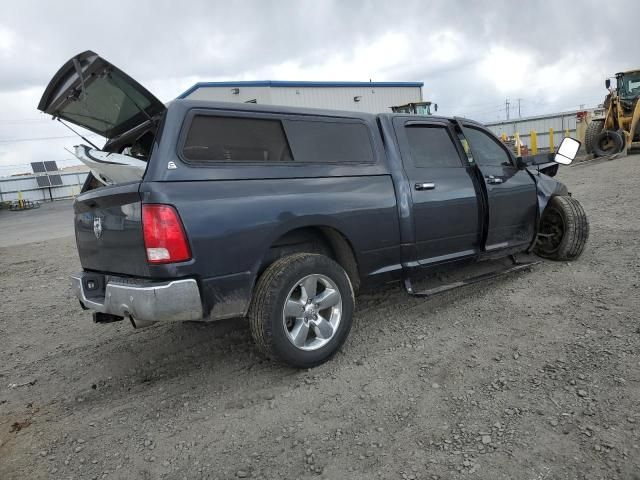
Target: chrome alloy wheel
[312,312]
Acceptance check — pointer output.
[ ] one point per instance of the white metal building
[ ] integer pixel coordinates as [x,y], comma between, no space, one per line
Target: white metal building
[372,97]
[560,122]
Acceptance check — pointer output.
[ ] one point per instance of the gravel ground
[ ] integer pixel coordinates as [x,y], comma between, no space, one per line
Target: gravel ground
[532,376]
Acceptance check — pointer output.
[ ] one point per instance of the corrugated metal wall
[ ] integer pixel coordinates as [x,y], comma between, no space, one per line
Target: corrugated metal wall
[541,124]
[10,186]
[372,100]
[225,94]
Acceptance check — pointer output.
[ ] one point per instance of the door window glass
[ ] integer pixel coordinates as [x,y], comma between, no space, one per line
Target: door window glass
[486,149]
[431,146]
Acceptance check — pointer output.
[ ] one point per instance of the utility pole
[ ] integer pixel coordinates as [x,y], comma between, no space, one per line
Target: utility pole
[506,107]
[519,116]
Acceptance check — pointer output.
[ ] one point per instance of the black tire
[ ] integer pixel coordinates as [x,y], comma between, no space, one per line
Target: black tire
[267,320]
[608,142]
[564,230]
[593,130]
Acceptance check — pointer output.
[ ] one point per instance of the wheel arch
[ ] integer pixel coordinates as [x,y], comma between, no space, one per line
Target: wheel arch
[319,236]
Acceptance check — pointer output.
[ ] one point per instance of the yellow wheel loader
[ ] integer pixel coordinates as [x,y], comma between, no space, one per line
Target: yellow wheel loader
[416,108]
[616,129]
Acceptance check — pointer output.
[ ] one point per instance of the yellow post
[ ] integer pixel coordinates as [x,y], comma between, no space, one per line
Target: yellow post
[552,147]
[20,200]
[518,145]
[503,137]
[566,133]
[534,142]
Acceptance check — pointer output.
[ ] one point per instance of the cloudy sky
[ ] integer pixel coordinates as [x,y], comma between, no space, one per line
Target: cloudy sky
[471,56]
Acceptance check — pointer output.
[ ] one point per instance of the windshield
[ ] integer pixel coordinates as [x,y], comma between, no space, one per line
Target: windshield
[423,109]
[629,85]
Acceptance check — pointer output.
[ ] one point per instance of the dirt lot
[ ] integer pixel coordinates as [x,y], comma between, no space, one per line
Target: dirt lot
[532,376]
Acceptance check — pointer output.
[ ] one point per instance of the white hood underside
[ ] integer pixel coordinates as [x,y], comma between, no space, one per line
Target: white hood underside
[110,168]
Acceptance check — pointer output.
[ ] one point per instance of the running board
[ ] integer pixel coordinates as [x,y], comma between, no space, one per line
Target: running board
[467,281]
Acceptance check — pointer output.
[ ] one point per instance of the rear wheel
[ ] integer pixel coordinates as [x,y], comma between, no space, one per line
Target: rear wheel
[608,142]
[563,231]
[592,132]
[302,310]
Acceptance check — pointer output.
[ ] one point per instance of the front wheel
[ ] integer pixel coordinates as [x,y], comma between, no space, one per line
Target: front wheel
[563,231]
[302,310]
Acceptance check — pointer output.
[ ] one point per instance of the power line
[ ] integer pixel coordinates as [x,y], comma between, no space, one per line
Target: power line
[37,139]
[21,121]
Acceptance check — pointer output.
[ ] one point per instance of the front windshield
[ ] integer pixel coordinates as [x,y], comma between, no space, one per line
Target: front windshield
[629,84]
[423,110]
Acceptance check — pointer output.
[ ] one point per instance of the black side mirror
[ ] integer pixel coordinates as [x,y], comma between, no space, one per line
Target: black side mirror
[607,83]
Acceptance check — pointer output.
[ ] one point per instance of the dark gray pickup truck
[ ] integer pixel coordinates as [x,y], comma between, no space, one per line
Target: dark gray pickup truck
[283,214]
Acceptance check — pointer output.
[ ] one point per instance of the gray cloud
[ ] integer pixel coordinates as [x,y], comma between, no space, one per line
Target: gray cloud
[448,45]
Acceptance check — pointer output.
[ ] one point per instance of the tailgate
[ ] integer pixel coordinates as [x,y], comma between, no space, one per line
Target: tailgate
[108,227]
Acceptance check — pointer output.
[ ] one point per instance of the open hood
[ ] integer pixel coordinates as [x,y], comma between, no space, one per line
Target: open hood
[90,92]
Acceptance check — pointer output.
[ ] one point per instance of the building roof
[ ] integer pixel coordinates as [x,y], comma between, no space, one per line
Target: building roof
[293,84]
[544,116]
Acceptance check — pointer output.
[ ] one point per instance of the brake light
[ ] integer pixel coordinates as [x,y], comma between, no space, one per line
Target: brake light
[164,237]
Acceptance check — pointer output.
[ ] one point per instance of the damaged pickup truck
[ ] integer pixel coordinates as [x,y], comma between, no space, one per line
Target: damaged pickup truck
[201,211]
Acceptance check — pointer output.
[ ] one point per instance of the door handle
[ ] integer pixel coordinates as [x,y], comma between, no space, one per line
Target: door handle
[491,180]
[425,186]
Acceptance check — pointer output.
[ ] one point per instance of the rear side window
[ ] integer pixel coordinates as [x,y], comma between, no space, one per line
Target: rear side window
[329,142]
[432,146]
[485,148]
[234,139]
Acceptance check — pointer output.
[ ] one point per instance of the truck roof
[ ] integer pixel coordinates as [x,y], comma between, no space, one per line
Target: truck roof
[257,107]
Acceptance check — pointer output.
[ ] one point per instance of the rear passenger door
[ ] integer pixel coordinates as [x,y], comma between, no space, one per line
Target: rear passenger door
[510,192]
[445,201]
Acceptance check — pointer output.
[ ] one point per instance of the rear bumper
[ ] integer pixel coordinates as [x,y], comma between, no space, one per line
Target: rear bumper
[138,299]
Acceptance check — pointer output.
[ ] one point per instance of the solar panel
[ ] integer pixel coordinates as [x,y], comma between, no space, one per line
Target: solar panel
[51,166]
[38,167]
[43,181]
[56,180]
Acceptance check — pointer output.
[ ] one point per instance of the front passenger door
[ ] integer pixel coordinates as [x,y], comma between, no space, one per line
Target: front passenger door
[510,192]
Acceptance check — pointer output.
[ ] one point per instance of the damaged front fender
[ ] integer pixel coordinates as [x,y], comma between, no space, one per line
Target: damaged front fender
[546,187]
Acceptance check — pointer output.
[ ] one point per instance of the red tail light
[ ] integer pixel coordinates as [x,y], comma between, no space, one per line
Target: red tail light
[164,237]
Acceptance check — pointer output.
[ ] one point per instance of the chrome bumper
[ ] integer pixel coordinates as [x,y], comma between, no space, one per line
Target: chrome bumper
[139,300]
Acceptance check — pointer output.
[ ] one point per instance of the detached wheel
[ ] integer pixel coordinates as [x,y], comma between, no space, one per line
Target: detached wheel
[593,130]
[608,142]
[302,310]
[564,230]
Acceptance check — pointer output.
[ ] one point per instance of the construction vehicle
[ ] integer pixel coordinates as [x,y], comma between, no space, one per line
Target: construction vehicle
[615,129]
[416,108]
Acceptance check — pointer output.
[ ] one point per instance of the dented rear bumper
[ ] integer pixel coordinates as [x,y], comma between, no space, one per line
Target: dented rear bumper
[141,301]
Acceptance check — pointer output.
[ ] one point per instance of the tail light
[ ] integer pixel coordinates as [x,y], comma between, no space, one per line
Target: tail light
[164,237]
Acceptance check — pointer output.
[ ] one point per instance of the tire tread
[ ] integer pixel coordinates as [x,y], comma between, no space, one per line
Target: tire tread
[576,228]
[265,296]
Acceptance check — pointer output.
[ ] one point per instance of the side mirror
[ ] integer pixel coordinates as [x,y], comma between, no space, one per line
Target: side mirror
[607,83]
[435,106]
[567,151]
